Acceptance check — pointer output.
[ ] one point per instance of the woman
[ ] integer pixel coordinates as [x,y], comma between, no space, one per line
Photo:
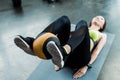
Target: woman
[77,50]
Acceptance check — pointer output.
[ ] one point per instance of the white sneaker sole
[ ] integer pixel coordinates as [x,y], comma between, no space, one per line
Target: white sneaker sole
[54,51]
[23,45]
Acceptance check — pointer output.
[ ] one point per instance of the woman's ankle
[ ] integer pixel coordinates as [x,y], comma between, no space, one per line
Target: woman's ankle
[67,48]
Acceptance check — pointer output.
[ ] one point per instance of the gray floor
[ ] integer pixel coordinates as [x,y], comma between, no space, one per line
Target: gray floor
[35,16]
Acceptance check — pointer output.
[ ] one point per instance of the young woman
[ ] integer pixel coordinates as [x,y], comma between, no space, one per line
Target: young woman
[77,50]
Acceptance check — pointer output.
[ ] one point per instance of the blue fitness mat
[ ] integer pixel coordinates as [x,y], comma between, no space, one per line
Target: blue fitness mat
[45,70]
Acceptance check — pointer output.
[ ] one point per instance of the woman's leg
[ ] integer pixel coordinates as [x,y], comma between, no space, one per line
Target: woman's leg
[80,46]
[61,28]
[79,35]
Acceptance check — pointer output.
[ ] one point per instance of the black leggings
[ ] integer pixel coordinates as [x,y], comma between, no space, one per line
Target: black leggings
[79,40]
[61,28]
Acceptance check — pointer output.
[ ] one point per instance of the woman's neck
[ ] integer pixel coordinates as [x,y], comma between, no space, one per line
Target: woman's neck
[94,27]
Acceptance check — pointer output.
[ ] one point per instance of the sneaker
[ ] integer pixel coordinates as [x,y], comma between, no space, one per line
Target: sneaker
[57,53]
[22,43]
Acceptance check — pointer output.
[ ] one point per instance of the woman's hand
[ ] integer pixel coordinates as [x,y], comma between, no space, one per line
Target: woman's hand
[57,68]
[80,72]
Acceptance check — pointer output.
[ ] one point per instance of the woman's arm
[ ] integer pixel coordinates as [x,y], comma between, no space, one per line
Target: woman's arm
[100,45]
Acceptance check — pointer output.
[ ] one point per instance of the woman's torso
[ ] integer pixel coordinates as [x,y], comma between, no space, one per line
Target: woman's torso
[94,38]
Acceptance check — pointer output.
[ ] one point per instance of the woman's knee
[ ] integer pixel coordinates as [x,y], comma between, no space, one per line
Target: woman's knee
[65,19]
[81,24]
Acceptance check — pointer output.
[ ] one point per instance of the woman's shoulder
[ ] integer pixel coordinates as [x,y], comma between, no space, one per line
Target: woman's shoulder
[103,35]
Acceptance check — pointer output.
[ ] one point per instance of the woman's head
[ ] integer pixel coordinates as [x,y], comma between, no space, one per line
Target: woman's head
[99,21]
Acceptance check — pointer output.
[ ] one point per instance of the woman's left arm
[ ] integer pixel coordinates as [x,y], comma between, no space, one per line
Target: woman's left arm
[100,45]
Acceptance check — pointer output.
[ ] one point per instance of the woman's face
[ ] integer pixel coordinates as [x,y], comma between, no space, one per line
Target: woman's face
[99,21]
